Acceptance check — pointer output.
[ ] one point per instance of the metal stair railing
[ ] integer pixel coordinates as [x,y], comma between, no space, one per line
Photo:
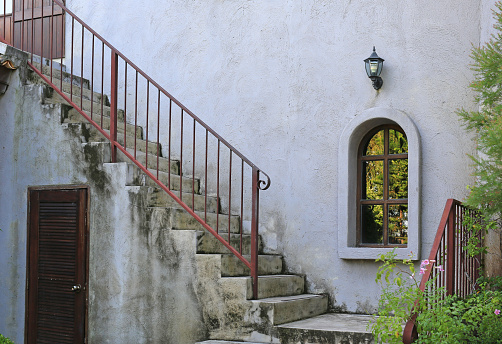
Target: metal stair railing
[136,99]
[460,271]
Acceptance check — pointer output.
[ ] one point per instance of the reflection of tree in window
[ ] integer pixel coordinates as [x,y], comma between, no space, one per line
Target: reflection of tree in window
[383,188]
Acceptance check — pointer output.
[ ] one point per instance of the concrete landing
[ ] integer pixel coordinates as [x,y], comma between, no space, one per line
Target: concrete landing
[328,329]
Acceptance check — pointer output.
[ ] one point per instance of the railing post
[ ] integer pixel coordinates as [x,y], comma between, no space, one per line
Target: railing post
[113,104]
[254,231]
[450,251]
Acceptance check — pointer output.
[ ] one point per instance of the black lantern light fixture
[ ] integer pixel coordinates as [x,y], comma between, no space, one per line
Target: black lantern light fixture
[374,65]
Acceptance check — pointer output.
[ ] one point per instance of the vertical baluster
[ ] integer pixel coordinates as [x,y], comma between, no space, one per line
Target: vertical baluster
[51,38]
[147,113]
[230,194]
[102,81]
[63,35]
[254,230]
[451,252]
[82,71]
[158,133]
[92,76]
[242,207]
[169,139]
[42,37]
[33,31]
[125,104]
[206,181]
[136,114]
[218,188]
[113,104]
[181,155]
[193,167]
[71,58]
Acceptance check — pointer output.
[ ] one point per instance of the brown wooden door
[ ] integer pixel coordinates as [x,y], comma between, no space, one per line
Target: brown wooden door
[30,19]
[57,266]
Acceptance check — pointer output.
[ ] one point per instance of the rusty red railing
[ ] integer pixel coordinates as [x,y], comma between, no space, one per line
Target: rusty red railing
[459,271]
[148,117]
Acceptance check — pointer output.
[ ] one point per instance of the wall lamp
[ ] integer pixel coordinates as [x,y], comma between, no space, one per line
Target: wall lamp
[374,65]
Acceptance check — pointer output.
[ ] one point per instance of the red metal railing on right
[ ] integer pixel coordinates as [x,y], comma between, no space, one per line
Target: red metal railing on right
[55,37]
[460,271]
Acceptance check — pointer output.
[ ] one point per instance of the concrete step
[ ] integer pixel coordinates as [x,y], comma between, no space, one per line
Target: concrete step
[163,163]
[208,243]
[177,218]
[189,184]
[141,145]
[285,309]
[268,286]
[231,266]
[328,328]
[159,198]
[73,116]
[57,74]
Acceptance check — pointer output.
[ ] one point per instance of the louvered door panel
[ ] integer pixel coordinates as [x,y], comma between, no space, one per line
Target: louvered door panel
[56,313]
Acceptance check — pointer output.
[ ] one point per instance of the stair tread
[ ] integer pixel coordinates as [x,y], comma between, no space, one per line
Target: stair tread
[333,322]
[278,299]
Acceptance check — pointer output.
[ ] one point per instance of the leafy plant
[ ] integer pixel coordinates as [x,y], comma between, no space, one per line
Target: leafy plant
[401,296]
[475,319]
[5,340]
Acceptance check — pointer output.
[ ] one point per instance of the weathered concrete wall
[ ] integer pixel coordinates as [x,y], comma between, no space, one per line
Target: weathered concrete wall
[281,79]
[141,284]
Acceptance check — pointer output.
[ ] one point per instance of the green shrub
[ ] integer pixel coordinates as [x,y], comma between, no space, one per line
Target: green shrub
[5,340]
[475,319]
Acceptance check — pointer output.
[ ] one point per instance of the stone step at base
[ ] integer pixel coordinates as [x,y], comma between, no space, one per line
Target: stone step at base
[285,309]
[331,328]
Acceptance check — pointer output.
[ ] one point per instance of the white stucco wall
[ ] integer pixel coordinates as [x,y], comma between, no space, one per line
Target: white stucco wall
[281,79]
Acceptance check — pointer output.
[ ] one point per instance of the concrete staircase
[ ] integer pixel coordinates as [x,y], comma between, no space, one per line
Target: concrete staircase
[281,313]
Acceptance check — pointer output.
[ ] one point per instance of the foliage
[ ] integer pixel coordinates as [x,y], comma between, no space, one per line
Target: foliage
[4,340]
[486,194]
[441,318]
[475,319]
[400,295]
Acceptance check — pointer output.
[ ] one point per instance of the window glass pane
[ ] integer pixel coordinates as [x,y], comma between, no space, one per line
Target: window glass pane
[398,179]
[373,179]
[398,144]
[398,224]
[375,145]
[372,224]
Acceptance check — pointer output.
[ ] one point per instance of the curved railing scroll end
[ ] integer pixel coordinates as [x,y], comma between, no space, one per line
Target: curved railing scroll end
[264,184]
[410,333]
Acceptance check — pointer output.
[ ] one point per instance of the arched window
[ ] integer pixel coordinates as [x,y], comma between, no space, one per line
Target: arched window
[379,186]
[382,192]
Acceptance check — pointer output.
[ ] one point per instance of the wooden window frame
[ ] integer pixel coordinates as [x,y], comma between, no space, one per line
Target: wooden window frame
[385,201]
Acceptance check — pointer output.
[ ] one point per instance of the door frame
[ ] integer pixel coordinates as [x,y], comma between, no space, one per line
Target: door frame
[86,250]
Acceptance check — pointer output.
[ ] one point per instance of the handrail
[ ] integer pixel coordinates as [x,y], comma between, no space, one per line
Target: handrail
[136,98]
[460,271]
